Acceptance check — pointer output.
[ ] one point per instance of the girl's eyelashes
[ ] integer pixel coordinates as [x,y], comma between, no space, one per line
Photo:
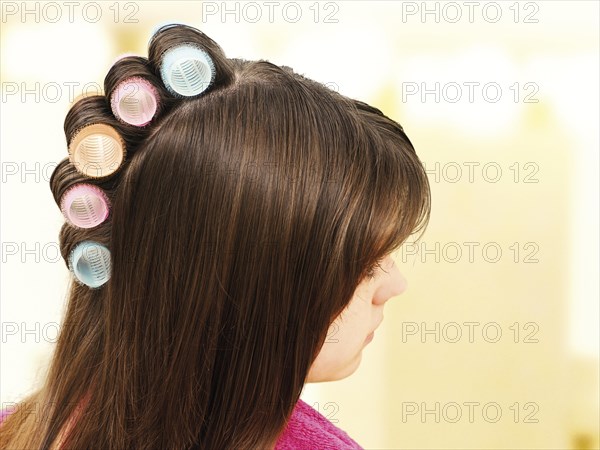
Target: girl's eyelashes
[371,272]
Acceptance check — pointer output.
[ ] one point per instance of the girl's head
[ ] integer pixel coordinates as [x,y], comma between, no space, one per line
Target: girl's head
[244,224]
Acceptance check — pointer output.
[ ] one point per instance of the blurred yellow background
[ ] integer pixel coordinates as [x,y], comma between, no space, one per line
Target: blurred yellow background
[495,343]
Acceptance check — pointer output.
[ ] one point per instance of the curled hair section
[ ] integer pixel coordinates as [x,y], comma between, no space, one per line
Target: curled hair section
[188,61]
[136,95]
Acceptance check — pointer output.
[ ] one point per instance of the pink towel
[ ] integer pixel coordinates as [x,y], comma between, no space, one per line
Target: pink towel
[309,429]
[306,429]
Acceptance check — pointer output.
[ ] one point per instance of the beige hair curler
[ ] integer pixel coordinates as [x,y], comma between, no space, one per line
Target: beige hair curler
[97,150]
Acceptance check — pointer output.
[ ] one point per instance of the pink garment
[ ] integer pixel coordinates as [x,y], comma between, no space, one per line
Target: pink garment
[3,414]
[307,429]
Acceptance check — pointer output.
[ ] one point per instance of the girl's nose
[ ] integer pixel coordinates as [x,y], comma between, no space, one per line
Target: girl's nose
[392,284]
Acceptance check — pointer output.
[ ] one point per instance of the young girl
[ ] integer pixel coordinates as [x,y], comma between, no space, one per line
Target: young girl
[229,225]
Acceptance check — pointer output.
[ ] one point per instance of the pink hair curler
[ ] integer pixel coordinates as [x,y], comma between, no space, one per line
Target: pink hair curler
[134,101]
[85,205]
[97,150]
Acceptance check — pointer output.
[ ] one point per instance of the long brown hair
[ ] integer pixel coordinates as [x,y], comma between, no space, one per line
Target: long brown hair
[242,222]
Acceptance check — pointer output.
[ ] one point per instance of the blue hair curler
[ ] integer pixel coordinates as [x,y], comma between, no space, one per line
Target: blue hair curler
[90,263]
[187,70]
